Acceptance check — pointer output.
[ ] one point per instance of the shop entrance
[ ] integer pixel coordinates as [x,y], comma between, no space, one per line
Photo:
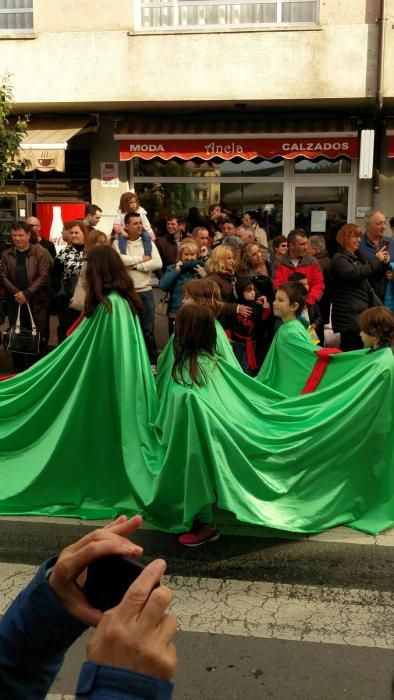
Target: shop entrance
[317,209]
[304,193]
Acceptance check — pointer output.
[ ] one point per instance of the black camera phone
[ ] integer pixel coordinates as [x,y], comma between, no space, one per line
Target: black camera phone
[108,579]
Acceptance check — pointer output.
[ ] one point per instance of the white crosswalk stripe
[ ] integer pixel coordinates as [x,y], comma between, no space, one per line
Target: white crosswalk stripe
[260,609]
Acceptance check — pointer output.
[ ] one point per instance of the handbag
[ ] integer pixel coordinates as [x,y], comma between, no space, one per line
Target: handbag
[22,340]
[78,298]
[162,306]
[373,299]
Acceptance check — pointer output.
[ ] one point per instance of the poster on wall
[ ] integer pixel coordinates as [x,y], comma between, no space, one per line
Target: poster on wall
[109,175]
[318,221]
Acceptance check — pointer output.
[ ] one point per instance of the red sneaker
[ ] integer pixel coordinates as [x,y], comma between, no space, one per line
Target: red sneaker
[203,535]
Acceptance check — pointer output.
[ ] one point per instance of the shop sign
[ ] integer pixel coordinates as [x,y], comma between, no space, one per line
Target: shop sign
[109,175]
[45,160]
[247,149]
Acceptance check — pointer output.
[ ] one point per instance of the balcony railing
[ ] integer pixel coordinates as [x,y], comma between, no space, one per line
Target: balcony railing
[167,14]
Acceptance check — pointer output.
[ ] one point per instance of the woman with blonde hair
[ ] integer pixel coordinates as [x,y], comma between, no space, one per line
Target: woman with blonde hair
[188,267]
[352,278]
[220,268]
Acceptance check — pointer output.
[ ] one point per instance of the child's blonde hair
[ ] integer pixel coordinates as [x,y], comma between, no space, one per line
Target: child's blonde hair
[189,245]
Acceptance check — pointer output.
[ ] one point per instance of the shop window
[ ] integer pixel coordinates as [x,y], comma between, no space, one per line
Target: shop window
[159,199]
[167,14]
[322,166]
[157,168]
[319,208]
[16,16]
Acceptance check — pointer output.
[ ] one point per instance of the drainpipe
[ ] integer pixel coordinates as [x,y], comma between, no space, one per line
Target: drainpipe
[379,104]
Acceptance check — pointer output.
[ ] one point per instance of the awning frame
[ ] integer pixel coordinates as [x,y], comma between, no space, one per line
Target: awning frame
[186,140]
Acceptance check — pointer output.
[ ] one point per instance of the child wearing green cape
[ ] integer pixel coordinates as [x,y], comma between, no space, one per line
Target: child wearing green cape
[291,356]
[201,292]
[195,341]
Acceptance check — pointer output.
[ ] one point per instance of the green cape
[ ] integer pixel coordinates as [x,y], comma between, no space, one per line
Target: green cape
[166,358]
[290,359]
[302,464]
[82,434]
[76,435]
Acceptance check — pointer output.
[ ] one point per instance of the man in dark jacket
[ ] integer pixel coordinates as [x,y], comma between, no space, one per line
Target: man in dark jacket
[24,276]
[374,240]
[44,242]
[167,245]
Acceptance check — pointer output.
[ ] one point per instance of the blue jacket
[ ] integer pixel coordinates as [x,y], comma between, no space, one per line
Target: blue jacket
[368,248]
[173,282]
[35,633]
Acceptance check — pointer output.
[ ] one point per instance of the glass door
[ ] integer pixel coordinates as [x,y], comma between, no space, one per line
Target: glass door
[266,198]
[321,208]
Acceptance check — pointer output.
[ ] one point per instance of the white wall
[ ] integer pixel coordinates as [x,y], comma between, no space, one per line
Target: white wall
[72,62]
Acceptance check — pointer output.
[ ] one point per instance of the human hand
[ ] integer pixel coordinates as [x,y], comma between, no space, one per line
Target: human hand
[389,275]
[200,270]
[137,633]
[383,255]
[20,298]
[69,573]
[179,265]
[145,258]
[244,310]
[263,301]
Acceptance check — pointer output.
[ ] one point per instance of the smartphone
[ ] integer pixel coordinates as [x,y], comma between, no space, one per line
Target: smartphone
[108,579]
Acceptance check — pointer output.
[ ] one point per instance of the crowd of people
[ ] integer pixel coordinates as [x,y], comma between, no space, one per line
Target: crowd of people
[232,295]
[234,253]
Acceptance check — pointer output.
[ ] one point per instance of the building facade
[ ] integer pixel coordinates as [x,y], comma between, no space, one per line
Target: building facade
[254,104]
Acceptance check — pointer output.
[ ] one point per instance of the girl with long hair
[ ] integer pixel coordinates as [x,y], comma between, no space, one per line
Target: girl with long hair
[194,359]
[205,293]
[195,336]
[105,273]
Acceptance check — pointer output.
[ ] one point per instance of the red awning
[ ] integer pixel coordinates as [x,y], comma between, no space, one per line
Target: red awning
[227,140]
[390,137]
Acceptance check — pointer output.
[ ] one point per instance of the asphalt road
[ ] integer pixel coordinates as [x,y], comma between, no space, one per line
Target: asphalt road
[260,617]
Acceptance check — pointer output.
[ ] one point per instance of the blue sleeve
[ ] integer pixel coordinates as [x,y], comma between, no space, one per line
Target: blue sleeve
[99,682]
[169,278]
[35,633]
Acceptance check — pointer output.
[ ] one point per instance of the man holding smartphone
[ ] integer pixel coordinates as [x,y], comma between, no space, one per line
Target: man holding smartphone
[374,240]
[131,653]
